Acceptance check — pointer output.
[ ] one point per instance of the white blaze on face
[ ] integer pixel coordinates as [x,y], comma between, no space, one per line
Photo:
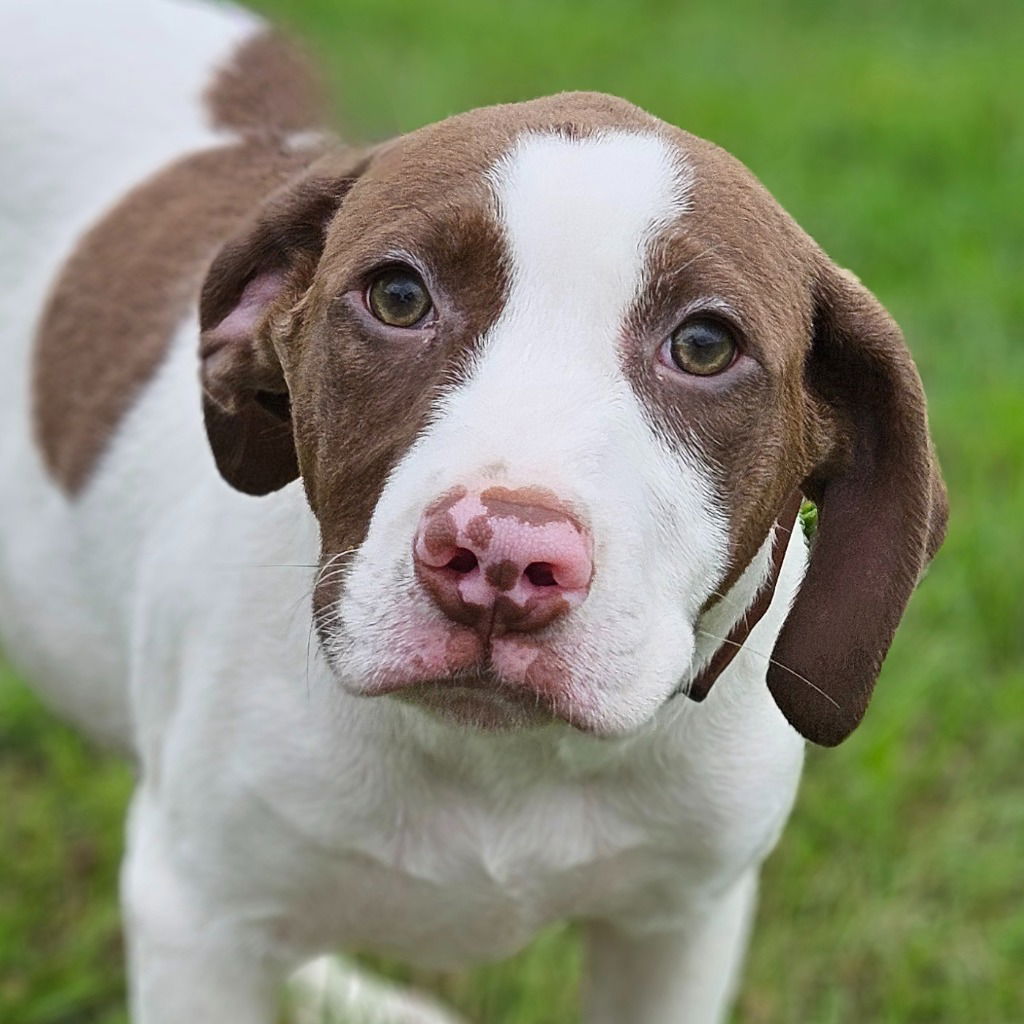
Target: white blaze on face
[577,217]
[546,404]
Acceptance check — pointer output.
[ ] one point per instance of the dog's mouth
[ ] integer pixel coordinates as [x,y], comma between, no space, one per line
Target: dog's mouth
[480,698]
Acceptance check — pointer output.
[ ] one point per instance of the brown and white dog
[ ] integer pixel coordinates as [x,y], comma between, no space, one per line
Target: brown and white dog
[390,506]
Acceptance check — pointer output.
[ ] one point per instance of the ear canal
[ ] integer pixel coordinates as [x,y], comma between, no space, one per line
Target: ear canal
[260,273]
[882,514]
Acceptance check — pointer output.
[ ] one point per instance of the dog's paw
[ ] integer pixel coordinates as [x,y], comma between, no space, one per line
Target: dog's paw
[330,990]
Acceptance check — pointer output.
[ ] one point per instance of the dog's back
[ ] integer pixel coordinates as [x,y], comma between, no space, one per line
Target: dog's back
[97,97]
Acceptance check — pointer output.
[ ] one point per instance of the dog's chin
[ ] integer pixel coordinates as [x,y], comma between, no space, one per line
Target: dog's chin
[482,703]
[512,687]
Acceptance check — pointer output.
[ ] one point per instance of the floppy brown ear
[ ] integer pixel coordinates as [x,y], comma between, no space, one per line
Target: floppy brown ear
[882,513]
[258,277]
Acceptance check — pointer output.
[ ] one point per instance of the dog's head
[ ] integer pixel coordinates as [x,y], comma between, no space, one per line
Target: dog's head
[549,372]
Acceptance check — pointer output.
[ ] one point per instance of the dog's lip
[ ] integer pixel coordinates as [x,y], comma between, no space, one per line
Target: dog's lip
[470,694]
[482,678]
[483,702]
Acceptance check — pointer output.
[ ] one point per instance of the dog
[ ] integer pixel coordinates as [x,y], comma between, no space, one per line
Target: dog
[421,518]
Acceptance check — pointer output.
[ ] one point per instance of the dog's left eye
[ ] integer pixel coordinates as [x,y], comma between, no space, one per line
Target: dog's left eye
[702,346]
[398,297]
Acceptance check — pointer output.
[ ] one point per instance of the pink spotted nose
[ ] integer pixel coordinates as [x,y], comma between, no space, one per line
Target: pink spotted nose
[503,561]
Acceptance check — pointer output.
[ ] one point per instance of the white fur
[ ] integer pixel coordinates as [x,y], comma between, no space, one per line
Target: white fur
[278,816]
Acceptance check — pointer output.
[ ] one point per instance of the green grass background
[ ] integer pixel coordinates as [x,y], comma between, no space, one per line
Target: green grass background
[893,132]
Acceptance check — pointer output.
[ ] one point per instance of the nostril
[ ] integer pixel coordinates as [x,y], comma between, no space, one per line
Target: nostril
[463,561]
[541,574]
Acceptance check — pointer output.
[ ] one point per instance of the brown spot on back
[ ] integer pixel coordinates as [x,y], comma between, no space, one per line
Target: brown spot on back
[269,86]
[131,279]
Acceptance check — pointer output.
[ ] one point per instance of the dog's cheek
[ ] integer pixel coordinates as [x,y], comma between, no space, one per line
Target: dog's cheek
[694,521]
[353,420]
[356,416]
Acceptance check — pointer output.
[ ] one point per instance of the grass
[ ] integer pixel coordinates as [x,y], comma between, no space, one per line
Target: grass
[894,133]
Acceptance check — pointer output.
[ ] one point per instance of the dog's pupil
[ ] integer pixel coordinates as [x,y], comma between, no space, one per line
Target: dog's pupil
[398,298]
[402,294]
[702,346]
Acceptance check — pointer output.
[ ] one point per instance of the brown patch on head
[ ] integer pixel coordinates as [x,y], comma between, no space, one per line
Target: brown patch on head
[128,283]
[268,87]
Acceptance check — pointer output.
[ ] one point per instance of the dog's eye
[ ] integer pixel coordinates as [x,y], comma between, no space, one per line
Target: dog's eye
[398,297]
[702,346]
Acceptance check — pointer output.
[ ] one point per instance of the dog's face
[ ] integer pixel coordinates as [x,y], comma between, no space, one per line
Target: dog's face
[549,372]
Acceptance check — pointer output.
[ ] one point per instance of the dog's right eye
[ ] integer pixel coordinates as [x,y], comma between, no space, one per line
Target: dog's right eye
[398,297]
[702,347]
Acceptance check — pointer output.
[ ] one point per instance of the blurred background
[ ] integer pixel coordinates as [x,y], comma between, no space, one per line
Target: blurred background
[895,134]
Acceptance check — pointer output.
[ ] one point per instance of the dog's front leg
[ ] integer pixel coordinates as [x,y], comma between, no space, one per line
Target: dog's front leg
[189,959]
[683,976]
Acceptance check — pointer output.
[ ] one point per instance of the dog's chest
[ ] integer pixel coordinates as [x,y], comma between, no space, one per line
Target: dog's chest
[448,873]
[455,883]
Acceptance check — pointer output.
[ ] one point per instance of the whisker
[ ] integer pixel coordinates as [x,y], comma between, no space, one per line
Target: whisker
[329,571]
[338,570]
[732,602]
[772,661]
[334,558]
[282,565]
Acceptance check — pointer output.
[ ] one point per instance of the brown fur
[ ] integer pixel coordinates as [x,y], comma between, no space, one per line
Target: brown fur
[738,246]
[130,280]
[267,88]
[883,512]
